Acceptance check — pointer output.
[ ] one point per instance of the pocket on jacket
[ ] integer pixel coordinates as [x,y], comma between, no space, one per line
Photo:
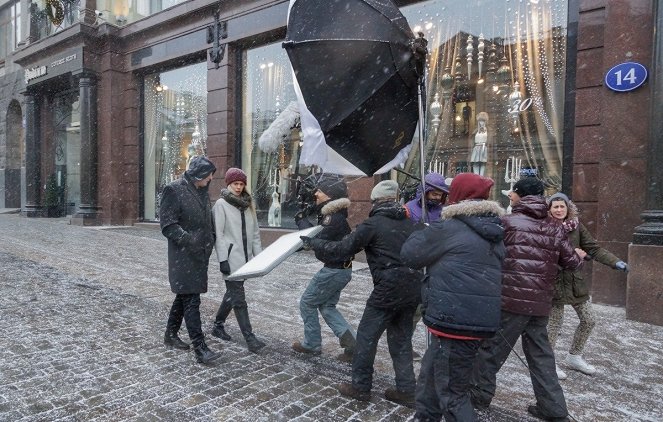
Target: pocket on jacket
[579,287]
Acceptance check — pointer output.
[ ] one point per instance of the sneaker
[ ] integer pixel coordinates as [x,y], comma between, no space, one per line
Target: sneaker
[404,399]
[577,363]
[348,390]
[536,412]
[561,375]
[297,347]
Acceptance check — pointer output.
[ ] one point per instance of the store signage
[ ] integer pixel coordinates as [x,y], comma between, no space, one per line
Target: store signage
[35,72]
[626,77]
[51,67]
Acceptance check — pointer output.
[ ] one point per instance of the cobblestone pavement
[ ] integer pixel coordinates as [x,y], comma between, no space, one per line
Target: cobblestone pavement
[82,314]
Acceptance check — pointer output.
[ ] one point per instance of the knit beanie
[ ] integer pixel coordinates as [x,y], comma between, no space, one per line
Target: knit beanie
[386,189]
[333,186]
[200,167]
[559,196]
[469,186]
[235,175]
[528,186]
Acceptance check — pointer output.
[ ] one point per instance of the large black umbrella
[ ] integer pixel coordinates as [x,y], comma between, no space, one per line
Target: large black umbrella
[354,63]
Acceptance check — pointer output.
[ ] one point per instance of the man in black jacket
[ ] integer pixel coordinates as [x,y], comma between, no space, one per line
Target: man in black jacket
[395,295]
[463,253]
[324,290]
[185,215]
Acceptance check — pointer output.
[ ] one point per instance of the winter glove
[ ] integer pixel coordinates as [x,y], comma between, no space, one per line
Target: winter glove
[307,242]
[302,221]
[225,267]
[622,266]
[185,239]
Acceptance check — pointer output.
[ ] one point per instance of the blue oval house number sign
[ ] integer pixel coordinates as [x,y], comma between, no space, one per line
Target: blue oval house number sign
[626,76]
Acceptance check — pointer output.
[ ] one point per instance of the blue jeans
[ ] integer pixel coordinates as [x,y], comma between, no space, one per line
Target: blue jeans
[322,294]
[398,323]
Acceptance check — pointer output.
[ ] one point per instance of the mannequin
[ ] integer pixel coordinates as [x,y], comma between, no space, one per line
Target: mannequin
[274,214]
[480,150]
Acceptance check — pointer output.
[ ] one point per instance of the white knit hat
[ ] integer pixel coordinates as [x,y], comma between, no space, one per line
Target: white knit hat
[385,189]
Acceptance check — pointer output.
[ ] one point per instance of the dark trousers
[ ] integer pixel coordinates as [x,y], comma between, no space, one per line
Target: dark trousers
[540,359]
[398,323]
[235,299]
[444,380]
[187,308]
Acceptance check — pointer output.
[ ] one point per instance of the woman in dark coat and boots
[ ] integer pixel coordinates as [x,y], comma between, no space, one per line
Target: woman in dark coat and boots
[186,220]
[571,289]
[237,241]
[395,295]
[463,252]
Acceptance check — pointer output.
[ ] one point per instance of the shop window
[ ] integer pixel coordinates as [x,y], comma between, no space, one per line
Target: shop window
[495,100]
[268,91]
[175,128]
[495,88]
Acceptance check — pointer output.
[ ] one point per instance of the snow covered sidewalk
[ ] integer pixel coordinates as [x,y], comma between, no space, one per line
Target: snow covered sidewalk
[83,310]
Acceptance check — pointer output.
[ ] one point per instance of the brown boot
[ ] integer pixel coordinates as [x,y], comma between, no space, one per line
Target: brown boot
[297,347]
[347,390]
[404,399]
[345,357]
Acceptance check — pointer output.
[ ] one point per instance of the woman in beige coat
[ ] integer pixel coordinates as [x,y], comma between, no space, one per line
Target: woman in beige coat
[237,241]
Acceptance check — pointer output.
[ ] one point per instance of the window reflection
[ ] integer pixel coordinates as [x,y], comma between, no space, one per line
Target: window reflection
[175,123]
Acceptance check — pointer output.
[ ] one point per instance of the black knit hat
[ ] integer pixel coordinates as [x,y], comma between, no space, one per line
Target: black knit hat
[333,186]
[528,186]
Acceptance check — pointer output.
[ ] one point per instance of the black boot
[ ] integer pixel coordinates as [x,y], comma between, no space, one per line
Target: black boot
[253,344]
[175,317]
[203,354]
[220,332]
[171,339]
[348,342]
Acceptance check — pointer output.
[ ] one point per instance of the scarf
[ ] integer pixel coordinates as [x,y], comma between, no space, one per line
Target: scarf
[241,202]
[570,225]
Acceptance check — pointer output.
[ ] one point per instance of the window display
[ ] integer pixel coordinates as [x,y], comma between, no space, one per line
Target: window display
[175,128]
[495,100]
[495,88]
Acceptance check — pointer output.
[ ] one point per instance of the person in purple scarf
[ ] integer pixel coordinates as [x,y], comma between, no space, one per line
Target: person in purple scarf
[436,194]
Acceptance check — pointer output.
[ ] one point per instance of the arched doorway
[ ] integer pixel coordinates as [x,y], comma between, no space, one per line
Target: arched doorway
[15,161]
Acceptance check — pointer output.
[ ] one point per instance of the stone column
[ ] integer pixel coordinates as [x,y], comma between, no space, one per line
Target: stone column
[33,206]
[644,290]
[88,211]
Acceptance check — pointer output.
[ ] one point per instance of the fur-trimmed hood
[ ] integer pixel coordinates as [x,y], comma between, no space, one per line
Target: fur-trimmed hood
[335,205]
[472,208]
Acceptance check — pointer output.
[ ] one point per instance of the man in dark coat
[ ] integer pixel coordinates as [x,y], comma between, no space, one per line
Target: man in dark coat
[463,253]
[186,220]
[324,290]
[535,248]
[395,295]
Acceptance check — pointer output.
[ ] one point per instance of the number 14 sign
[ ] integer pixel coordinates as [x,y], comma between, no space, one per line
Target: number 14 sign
[626,76]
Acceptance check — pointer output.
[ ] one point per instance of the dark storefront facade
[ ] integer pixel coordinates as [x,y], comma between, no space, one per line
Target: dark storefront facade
[115,103]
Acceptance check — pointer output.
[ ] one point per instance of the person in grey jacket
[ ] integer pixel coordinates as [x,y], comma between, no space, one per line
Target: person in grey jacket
[463,253]
[186,220]
[237,241]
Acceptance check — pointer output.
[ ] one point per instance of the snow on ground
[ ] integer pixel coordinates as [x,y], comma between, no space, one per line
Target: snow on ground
[131,263]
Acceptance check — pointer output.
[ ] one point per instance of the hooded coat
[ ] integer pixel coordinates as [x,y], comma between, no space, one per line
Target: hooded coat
[186,220]
[464,253]
[536,246]
[381,236]
[570,288]
[333,217]
[433,210]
